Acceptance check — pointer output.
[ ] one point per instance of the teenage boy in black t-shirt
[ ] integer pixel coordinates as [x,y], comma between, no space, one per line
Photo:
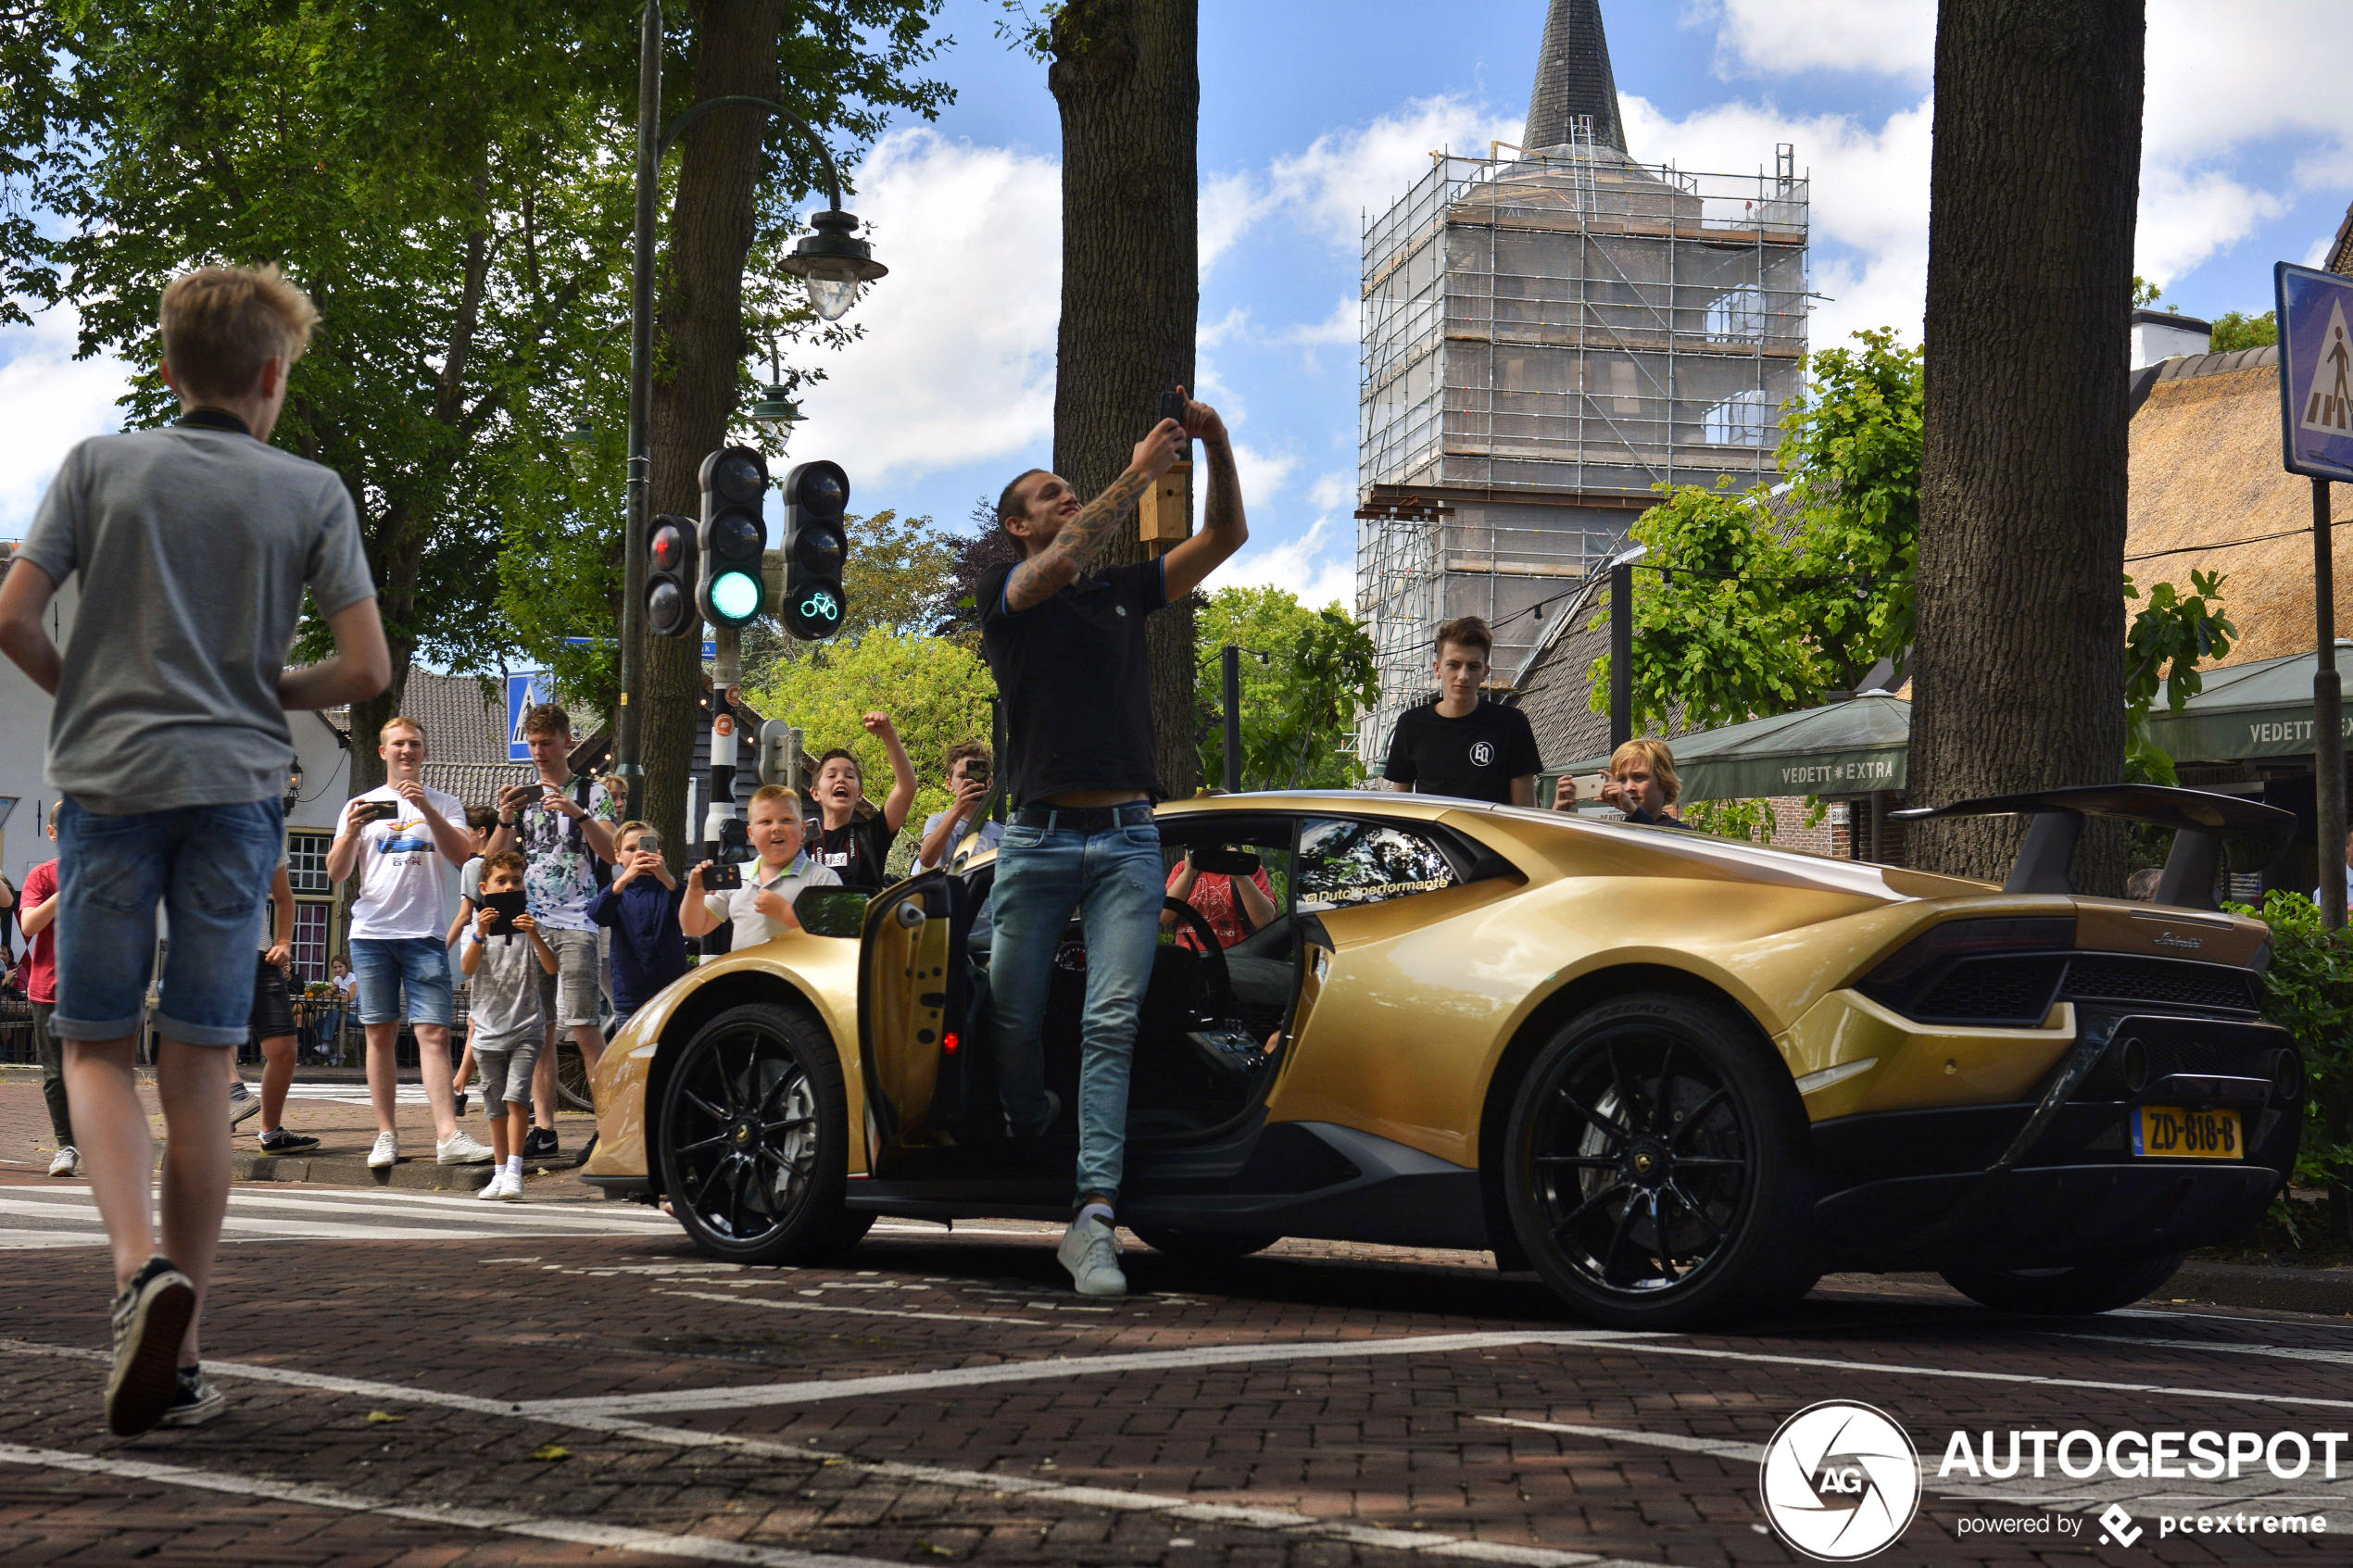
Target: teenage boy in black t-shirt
[1069,657]
[1459,745]
[854,848]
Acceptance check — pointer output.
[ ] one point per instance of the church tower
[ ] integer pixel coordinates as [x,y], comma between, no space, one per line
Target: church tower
[1548,331]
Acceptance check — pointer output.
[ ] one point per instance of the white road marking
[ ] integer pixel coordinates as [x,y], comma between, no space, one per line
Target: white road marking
[1431,1542]
[2285,1352]
[819,1390]
[1720,1448]
[854,1311]
[362,1216]
[500,1521]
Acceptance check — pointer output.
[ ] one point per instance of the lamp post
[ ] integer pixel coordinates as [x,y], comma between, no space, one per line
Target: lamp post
[834,262]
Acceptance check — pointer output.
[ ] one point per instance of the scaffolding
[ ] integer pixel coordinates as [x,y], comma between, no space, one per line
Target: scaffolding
[1545,337]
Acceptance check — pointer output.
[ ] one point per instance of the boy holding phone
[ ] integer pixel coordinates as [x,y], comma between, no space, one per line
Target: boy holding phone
[503,957]
[641,910]
[950,833]
[762,906]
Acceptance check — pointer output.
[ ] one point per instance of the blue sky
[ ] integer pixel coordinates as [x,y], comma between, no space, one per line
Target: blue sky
[1313,110]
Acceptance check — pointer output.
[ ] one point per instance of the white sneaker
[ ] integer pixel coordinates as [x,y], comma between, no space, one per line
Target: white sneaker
[243,1101]
[1091,1252]
[386,1153]
[460,1148]
[495,1189]
[65,1161]
[509,1183]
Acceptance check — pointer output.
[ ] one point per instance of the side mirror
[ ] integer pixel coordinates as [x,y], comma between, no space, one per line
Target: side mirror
[831,911]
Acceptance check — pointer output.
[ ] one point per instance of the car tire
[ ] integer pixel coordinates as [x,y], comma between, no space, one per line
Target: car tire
[754,1141]
[1657,1166]
[1204,1245]
[2077,1291]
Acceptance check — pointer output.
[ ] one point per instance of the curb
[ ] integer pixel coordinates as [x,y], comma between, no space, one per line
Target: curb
[353,1171]
[2327,1291]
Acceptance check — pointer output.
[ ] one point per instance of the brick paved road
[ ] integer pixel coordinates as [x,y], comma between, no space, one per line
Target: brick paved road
[938,1399]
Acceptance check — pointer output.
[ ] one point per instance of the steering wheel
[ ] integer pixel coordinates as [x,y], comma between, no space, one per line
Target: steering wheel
[1217,1002]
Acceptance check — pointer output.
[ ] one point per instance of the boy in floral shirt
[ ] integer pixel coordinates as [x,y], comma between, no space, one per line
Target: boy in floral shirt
[563,825]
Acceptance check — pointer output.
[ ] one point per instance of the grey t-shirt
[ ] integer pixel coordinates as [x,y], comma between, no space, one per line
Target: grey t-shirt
[502,997]
[195,546]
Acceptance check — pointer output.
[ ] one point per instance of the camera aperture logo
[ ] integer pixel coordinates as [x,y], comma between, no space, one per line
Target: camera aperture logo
[1840,1481]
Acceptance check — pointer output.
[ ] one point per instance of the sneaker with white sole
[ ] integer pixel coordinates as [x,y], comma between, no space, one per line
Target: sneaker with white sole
[460,1148]
[495,1189]
[67,1161]
[510,1185]
[386,1153]
[243,1101]
[1091,1252]
[150,1318]
[193,1402]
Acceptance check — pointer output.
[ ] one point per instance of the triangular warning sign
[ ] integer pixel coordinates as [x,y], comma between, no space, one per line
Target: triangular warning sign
[2328,402]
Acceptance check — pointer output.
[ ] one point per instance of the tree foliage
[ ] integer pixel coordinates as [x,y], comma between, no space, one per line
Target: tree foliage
[2307,990]
[2167,641]
[1752,603]
[453,193]
[2235,330]
[936,692]
[1305,673]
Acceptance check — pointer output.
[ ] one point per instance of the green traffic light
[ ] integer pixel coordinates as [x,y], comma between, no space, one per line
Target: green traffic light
[736,595]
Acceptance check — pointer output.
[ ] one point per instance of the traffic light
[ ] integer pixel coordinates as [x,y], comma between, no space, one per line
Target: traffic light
[669,577]
[734,481]
[816,543]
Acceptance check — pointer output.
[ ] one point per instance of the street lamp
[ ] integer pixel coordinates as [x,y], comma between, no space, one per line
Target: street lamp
[832,261]
[774,409]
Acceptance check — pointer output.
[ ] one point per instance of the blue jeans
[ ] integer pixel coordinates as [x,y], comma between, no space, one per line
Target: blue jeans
[1114,879]
[210,867]
[385,964]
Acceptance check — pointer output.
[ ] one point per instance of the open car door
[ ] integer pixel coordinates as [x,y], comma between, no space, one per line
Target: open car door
[912,997]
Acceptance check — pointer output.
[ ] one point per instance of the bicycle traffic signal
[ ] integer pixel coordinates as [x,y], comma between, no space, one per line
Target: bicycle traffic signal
[733,536]
[816,543]
[669,577]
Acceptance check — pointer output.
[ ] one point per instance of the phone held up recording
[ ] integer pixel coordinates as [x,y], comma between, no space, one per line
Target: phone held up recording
[509,906]
[1172,404]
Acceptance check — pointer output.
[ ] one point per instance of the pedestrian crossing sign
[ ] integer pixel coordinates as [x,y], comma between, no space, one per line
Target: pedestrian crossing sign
[2316,372]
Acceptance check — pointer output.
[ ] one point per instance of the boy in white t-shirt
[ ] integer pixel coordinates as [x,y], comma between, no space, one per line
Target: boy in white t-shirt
[396,837]
[761,908]
[503,1025]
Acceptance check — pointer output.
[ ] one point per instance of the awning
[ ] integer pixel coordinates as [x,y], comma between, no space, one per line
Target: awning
[2247,710]
[1841,749]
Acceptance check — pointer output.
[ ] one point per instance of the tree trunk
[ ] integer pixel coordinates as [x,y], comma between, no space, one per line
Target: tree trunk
[699,340]
[1127,77]
[2020,678]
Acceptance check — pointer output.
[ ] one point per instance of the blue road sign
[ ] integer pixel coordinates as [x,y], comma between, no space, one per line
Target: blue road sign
[2315,370]
[521,695]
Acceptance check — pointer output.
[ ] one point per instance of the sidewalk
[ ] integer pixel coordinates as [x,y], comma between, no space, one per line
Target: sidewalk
[330,1106]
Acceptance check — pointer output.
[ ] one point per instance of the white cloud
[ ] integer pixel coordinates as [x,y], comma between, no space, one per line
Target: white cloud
[1332,490]
[1318,565]
[1341,326]
[48,401]
[960,366]
[1760,37]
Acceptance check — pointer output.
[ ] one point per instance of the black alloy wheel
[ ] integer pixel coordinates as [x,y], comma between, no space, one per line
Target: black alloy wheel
[1655,1166]
[2080,1290]
[754,1139]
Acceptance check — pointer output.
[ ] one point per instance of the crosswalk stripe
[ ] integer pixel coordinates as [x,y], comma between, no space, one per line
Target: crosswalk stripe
[66,1217]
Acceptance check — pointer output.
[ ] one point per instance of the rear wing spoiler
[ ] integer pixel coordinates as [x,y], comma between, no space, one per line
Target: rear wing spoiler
[2205,827]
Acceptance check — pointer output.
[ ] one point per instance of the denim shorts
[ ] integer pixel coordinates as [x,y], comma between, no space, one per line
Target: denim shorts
[386,965]
[210,868]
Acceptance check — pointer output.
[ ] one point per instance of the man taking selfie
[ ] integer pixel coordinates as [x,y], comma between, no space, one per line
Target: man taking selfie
[397,836]
[563,825]
[1067,648]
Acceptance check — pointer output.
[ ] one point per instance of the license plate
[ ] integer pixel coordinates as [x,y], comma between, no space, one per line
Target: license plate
[2168,1132]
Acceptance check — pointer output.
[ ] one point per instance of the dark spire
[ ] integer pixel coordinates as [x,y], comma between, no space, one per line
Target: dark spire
[1573,78]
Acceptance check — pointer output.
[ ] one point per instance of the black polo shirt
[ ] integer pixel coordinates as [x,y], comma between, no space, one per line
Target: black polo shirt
[1474,757]
[1076,682]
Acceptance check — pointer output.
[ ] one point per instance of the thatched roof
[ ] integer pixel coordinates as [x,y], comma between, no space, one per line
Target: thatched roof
[2206,469]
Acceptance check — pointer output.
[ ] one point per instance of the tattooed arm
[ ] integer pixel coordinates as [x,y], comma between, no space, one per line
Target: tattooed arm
[1044,574]
[1224,529]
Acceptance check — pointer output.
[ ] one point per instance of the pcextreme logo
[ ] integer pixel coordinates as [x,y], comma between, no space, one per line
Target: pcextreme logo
[1840,1481]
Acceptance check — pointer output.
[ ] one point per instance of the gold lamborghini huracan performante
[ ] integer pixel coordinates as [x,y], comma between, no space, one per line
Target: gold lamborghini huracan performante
[1679,1077]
